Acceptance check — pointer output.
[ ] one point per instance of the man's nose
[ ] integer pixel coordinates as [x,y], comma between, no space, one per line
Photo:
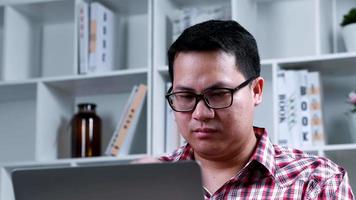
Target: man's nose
[202,112]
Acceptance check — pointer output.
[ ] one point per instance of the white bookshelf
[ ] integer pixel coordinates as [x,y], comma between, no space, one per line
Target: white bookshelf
[40,86]
[292,34]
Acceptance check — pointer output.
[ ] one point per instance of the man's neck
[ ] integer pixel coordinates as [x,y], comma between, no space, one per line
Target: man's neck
[218,170]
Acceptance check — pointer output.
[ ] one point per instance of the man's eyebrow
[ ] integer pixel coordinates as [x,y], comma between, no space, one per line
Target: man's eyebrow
[216,85]
[183,88]
[213,86]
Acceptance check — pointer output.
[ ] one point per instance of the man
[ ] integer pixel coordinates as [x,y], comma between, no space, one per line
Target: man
[214,67]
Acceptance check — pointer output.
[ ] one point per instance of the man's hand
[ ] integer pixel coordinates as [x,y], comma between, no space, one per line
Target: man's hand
[147,159]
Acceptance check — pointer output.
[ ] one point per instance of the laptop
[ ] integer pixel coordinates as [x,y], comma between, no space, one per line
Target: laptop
[154,181]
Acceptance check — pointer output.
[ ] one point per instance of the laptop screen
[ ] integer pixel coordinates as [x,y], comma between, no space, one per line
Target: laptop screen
[156,181]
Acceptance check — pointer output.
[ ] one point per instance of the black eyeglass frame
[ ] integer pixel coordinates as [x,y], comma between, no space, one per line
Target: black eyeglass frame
[201,96]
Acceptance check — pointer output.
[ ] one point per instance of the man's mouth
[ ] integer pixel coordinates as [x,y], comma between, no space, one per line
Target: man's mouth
[204,132]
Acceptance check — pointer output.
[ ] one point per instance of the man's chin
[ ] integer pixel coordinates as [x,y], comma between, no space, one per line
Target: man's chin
[206,150]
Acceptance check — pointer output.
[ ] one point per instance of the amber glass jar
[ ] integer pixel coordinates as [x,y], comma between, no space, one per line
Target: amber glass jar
[86,132]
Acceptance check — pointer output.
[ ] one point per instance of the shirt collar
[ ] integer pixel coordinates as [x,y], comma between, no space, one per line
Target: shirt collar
[264,151]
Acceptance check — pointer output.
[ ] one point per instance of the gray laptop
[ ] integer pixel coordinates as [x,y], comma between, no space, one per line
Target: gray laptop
[173,181]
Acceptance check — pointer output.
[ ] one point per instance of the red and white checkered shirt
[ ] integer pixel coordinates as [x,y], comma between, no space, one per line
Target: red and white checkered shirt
[274,172]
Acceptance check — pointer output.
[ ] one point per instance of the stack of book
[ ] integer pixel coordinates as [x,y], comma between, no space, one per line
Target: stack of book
[300,120]
[96,32]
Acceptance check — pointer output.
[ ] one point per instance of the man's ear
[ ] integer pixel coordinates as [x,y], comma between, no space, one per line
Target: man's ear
[257,88]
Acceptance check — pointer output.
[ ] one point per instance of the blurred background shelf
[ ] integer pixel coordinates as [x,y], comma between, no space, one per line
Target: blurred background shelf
[40,85]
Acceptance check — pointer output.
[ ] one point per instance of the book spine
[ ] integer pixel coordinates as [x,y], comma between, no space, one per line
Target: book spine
[128,123]
[283,132]
[306,138]
[314,90]
[83,31]
[121,121]
[106,41]
[101,38]
[93,37]
[293,102]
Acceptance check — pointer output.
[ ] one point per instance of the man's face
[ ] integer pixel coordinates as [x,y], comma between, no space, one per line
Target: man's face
[214,133]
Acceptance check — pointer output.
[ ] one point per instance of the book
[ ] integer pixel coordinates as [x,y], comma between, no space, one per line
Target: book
[83,35]
[293,102]
[299,108]
[316,116]
[121,140]
[101,38]
[284,138]
[304,111]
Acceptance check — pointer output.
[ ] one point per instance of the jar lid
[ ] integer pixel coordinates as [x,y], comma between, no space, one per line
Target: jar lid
[87,106]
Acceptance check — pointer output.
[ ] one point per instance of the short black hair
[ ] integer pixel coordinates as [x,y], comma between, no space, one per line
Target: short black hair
[214,35]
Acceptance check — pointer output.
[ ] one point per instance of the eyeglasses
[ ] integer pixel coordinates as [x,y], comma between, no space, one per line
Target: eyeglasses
[217,98]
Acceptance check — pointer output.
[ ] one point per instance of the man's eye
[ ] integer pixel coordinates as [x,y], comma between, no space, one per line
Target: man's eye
[217,93]
[185,96]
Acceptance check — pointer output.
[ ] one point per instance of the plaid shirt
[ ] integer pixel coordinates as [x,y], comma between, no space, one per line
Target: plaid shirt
[274,172]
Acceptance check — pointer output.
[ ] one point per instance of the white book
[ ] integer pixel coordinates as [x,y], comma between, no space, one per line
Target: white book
[293,102]
[101,39]
[121,121]
[284,137]
[123,136]
[172,136]
[83,35]
[306,137]
[134,113]
[315,102]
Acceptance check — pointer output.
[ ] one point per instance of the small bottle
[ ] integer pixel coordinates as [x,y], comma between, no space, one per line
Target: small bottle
[86,132]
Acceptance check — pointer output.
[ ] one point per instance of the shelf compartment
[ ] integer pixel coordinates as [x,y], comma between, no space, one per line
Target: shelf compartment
[18,122]
[110,93]
[341,8]
[39,40]
[164,14]
[279,33]
[132,39]
[336,84]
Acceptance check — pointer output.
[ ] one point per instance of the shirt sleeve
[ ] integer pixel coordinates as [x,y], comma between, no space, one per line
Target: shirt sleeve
[336,187]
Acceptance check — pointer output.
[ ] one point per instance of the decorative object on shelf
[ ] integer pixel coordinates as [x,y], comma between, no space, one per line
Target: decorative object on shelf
[352,115]
[86,131]
[349,30]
